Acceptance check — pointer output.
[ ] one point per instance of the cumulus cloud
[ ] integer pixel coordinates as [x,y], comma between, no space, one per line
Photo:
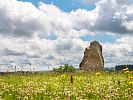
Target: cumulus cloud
[111,16]
[10,52]
[18,18]
[45,53]
[41,53]
[26,32]
[119,52]
[24,19]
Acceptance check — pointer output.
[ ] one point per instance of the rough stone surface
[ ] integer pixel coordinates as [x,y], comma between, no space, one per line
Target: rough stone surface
[93,58]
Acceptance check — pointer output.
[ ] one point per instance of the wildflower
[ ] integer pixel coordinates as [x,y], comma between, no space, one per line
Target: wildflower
[62,76]
[131,78]
[98,73]
[127,71]
[131,82]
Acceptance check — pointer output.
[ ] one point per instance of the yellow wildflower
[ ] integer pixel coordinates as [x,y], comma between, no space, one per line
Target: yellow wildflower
[62,76]
[98,73]
[131,77]
[126,71]
[131,82]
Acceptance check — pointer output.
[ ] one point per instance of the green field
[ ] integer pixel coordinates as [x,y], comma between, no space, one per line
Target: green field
[79,86]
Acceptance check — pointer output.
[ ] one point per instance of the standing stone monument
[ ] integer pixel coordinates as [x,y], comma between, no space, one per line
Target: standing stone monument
[93,58]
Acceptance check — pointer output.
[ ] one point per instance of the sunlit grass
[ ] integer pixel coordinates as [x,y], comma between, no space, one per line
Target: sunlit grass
[70,86]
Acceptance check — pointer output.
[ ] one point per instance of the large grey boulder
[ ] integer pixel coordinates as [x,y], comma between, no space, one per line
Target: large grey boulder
[93,58]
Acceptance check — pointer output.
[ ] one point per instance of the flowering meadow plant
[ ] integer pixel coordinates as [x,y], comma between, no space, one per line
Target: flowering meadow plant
[76,86]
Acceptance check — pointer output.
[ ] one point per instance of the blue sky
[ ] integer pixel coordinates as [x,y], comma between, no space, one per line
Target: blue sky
[100,37]
[66,5]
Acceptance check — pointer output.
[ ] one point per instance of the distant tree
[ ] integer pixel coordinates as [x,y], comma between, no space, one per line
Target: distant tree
[60,69]
[71,68]
[54,69]
[65,68]
[121,67]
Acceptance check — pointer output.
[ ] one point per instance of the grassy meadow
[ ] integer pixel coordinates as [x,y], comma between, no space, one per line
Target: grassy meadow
[68,86]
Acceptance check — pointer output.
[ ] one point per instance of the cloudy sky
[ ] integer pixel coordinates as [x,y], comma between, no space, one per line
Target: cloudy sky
[49,33]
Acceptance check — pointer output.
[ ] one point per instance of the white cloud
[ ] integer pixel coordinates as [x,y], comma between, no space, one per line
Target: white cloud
[24,19]
[128,25]
[41,52]
[25,30]
[119,52]
[44,53]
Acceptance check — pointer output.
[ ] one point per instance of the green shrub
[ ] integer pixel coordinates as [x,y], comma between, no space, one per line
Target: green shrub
[65,68]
